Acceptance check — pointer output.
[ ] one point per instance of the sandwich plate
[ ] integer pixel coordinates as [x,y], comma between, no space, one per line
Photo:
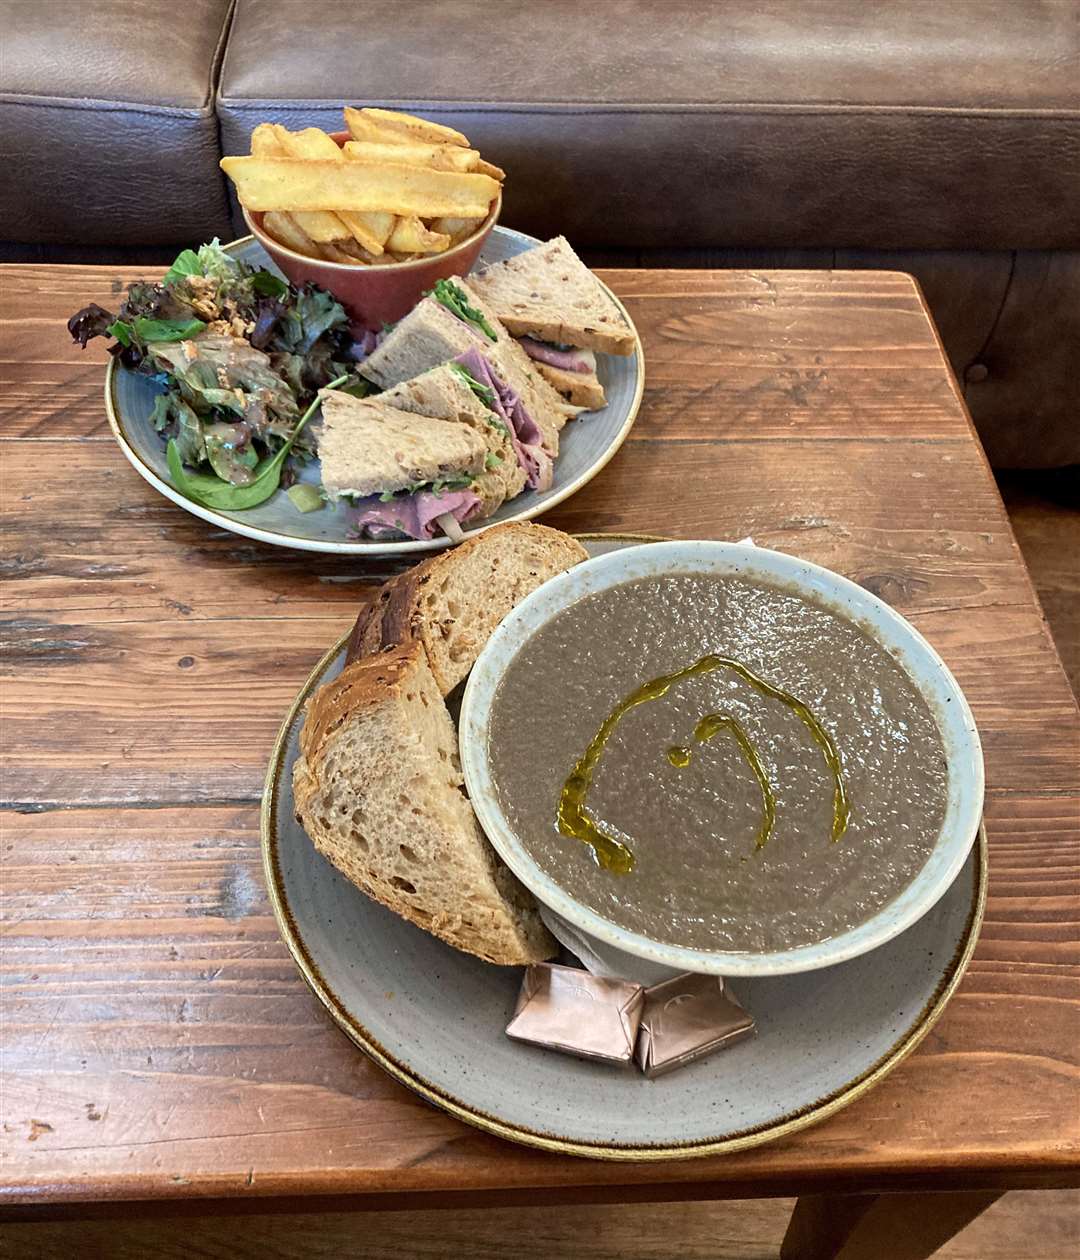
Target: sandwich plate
[434,1018]
[586,445]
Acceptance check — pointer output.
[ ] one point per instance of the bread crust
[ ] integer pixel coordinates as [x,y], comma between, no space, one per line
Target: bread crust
[486,913]
[398,614]
[583,389]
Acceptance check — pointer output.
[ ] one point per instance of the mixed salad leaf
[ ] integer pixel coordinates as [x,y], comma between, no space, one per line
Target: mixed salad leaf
[240,354]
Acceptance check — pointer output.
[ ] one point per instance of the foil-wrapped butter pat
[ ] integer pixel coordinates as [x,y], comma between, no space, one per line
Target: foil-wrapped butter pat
[686,1018]
[567,1009]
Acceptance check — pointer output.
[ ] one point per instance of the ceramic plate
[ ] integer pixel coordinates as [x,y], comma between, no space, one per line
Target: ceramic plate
[586,444]
[434,1018]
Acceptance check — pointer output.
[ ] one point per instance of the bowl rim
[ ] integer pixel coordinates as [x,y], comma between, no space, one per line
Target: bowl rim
[924,666]
[272,244]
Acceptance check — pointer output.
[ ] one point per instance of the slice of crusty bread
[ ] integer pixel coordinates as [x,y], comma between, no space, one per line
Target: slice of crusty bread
[549,293]
[366,447]
[377,787]
[583,389]
[452,603]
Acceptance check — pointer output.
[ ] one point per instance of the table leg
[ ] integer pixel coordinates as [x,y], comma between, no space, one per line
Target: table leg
[871,1226]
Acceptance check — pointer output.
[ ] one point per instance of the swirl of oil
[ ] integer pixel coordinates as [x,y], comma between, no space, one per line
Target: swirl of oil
[610,852]
[710,726]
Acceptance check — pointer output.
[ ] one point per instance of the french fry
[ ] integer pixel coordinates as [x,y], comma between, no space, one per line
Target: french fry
[411,126]
[370,228]
[456,229]
[489,168]
[309,143]
[283,227]
[411,237]
[264,141]
[440,157]
[294,185]
[332,251]
[367,131]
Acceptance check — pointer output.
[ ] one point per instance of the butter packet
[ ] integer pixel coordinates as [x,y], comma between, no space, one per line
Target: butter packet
[686,1018]
[568,1009]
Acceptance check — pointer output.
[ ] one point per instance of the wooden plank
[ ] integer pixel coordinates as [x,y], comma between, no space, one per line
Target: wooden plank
[156,1024]
[80,730]
[1020,1226]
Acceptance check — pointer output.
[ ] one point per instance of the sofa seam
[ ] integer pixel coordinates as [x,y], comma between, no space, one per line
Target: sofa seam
[221,52]
[89,103]
[989,339]
[218,58]
[584,107]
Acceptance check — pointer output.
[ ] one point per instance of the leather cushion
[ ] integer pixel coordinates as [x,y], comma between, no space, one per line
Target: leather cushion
[760,123]
[106,112]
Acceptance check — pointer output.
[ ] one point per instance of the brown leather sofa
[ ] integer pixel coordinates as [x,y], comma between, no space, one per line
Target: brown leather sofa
[938,137]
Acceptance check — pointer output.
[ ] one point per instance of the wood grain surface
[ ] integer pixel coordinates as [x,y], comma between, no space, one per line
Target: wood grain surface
[159,1043]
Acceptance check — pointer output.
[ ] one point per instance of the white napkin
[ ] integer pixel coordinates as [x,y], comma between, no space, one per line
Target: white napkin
[602,959]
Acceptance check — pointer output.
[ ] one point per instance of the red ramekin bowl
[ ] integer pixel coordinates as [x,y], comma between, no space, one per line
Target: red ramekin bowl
[381,293]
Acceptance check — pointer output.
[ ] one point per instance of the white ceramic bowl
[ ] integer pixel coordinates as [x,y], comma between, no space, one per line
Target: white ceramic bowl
[946,701]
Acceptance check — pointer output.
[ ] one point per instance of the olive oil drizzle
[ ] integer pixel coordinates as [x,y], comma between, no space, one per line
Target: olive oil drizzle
[611,853]
[710,726]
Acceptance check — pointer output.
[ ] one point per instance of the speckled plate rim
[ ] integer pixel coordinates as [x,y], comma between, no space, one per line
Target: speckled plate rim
[759,1135]
[372,547]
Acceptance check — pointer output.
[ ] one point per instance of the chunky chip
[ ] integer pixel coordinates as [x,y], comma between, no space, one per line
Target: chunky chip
[440,157]
[411,237]
[369,121]
[292,184]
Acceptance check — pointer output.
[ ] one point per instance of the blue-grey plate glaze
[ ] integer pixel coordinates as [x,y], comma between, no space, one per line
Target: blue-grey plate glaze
[434,1018]
[586,444]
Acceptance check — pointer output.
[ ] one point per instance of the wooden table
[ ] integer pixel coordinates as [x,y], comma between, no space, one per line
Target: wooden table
[162,1049]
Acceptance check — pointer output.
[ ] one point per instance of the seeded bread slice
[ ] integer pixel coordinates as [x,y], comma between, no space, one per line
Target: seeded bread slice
[442,393]
[549,293]
[377,787]
[583,389]
[366,447]
[452,603]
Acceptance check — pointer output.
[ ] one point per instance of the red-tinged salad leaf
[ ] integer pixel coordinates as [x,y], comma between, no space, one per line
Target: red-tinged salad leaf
[239,353]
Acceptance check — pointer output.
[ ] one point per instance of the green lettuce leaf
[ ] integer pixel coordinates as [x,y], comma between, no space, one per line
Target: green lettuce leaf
[186,264]
[148,330]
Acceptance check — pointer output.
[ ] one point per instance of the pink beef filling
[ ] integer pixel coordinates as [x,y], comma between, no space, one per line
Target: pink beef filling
[567,360]
[524,431]
[413,514]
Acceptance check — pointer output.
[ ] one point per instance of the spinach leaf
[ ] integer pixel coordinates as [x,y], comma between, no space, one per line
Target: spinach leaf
[163,329]
[186,264]
[231,462]
[213,493]
[267,284]
[123,332]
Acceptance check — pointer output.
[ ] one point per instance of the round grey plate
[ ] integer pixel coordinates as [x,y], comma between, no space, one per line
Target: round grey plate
[586,444]
[434,1018]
